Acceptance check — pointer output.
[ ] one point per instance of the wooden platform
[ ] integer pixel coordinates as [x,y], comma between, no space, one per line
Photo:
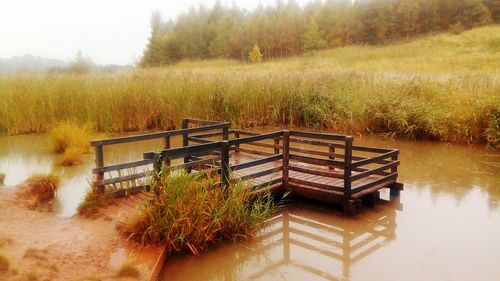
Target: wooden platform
[322,166]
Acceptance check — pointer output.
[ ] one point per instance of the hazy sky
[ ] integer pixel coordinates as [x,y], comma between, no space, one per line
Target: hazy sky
[109,31]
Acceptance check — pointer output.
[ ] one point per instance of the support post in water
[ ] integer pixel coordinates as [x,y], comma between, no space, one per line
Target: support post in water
[225,164]
[347,204]
[99,163]
[286,157]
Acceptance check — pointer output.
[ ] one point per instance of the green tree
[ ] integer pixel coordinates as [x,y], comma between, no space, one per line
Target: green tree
[255,55]
[312,37]
[407,14]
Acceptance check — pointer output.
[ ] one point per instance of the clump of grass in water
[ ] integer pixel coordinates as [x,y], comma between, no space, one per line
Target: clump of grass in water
[72,140]
[190,211]
[92,202]
[42,186]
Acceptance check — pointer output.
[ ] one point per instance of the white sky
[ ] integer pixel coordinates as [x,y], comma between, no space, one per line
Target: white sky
[109,31]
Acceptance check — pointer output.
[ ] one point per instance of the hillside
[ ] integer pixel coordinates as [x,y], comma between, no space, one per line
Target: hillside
[476,50]
[444,87]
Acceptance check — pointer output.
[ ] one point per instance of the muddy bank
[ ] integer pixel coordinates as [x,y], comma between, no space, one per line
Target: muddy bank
[48,247]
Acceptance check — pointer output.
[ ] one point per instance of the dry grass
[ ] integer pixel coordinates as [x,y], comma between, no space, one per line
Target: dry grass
[72,140]
[42,186]
[92,203]
[2,179]
[442,87]
[190,212]
[128,270]
[4,263]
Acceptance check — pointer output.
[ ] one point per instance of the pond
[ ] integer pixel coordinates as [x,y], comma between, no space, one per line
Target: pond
[444,226]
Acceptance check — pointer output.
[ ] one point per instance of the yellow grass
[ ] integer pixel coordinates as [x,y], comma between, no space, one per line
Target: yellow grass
[444,87]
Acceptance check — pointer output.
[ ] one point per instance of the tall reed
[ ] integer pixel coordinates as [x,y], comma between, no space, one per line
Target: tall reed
[444,87]
[190,212]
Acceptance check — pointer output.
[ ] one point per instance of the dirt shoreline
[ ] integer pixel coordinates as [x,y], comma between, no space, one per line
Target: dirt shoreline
[42,246]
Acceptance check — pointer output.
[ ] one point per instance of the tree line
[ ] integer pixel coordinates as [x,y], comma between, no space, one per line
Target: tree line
[287,29]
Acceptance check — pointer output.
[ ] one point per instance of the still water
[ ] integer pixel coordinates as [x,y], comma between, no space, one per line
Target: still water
[445,225]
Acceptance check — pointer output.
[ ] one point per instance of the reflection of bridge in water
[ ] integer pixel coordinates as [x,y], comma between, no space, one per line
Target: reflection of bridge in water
[340,242]
[306,243]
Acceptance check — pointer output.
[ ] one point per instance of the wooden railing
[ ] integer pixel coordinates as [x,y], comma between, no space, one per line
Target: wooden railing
[347,171]
[99,171]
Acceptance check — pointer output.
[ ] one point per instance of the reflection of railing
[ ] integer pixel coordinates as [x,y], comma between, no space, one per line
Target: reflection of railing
[318,165]
[336,241]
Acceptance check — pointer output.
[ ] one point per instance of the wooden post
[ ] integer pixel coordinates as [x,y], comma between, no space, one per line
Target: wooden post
[347,204]
[277,145]
[99,163]
[166,145]
[225,133]
[331,155]
[225,164]
[237,146]
[185,136]
[286,157]
[395,188]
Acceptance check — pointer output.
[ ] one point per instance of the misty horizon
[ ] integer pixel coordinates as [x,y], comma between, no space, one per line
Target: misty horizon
[111,32]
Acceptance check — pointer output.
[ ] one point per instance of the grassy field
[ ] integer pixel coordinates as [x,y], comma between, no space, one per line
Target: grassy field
[444,87]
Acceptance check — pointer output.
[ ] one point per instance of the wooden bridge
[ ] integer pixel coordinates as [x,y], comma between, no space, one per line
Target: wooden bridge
[326,167]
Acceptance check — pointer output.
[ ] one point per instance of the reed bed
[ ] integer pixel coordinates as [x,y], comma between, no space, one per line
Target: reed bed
[445,87]
[190,212]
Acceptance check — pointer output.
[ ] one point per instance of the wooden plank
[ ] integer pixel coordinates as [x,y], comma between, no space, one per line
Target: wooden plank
[251,151]
[158,134]
[315,172]
[267,184]
[198,140]
[316,143]
[309,151]
[374,171]
[123,178]
[187,150]
[262,173]
[256,162]
[99,163]
[387,179]
[317,161]
[374,159]
[195,164]
[371,149]
[208,135]
[122,166]
[286,157]
[255,138]
[314,184]
[314,135]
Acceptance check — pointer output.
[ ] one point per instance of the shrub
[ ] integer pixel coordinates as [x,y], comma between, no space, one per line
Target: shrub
[43,187]
[73,155]
[190,211]
[67,135]
[93,201]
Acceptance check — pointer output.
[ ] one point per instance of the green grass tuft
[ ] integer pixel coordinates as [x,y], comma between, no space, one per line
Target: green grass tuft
[190,212]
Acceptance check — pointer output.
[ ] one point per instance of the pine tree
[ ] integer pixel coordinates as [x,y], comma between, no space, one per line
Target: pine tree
[255,55]
[312,37]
